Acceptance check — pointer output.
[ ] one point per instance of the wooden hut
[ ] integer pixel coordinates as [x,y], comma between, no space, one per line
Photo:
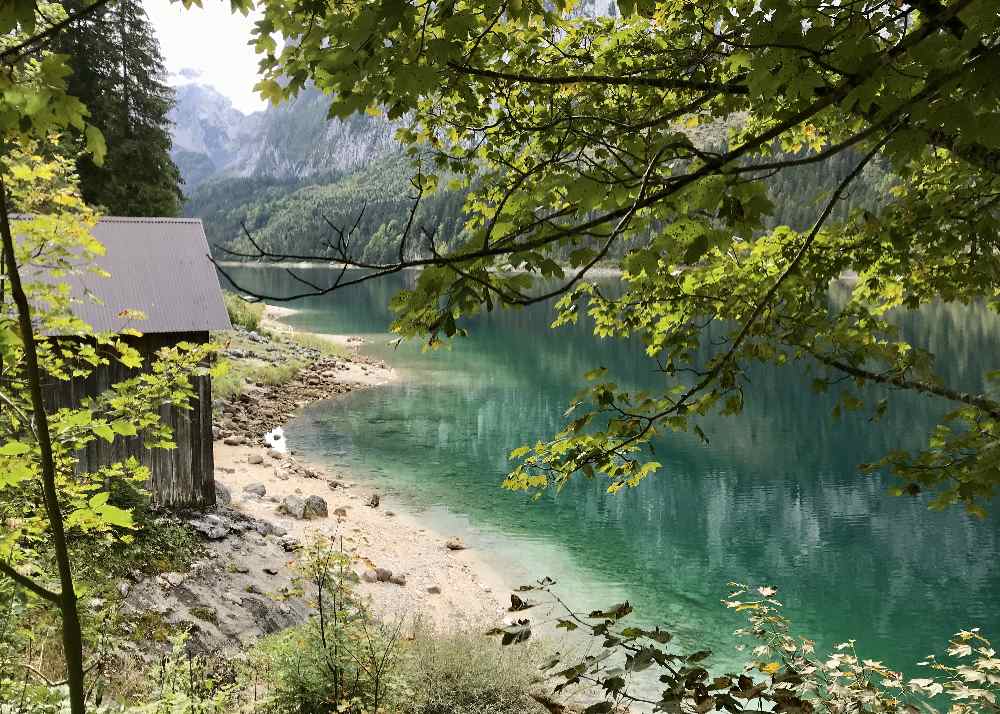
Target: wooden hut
[160,267]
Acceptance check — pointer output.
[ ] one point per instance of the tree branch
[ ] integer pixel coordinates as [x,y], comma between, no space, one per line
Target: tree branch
[14,54]
[897,380]
[28,584]
[607,80]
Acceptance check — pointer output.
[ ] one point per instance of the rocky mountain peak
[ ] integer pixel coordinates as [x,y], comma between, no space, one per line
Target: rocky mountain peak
[295,140]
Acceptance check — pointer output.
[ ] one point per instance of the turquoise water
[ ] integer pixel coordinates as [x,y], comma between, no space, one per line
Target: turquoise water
[774,498]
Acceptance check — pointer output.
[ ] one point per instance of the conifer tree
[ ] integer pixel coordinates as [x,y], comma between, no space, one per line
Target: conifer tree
[118,74]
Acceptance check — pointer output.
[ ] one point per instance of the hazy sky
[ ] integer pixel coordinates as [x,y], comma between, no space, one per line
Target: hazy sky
[212,42]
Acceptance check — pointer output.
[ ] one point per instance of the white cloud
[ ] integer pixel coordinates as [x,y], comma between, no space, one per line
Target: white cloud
[208,45]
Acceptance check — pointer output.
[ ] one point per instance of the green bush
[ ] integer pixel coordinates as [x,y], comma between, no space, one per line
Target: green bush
[342,659]
[465,673]
[294,670]
[242,313]
[228,385]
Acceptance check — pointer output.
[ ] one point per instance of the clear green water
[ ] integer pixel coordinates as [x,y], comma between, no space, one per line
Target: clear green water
[775,497]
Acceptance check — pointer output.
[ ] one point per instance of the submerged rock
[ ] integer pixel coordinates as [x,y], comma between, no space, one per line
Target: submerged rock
[455,543]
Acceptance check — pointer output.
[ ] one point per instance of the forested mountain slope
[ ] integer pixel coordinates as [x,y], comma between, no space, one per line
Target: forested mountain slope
[282,170]
[285,171]
[289,215]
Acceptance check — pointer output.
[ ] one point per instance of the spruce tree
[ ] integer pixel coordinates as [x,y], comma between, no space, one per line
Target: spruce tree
[118,74]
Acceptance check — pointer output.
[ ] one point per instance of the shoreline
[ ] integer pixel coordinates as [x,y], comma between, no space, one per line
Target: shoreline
[848,277]
[449,588]
[598,271]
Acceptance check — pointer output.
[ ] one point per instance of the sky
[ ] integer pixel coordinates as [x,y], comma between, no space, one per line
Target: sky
[211,42]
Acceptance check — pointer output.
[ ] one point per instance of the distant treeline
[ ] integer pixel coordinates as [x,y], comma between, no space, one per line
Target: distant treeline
[290,216]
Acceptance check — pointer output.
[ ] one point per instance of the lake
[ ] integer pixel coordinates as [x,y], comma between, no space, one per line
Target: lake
[775,498]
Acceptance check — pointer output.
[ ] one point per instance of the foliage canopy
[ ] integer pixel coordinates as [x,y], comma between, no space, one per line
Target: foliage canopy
[650,135]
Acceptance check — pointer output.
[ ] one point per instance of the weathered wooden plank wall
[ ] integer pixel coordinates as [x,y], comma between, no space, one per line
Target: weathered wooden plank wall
[180,478]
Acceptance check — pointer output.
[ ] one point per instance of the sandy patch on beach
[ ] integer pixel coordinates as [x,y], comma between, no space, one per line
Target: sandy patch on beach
[471,594]
[273,316]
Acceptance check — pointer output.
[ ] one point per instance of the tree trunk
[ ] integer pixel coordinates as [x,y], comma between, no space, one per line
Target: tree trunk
[71,634]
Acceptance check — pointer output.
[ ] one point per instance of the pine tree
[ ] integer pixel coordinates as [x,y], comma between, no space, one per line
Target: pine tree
[118,74]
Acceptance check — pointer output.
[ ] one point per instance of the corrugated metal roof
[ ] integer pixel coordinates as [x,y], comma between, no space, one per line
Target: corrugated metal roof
[159,266]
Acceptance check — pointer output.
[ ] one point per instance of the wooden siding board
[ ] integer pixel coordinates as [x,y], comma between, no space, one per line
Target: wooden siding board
[180,477]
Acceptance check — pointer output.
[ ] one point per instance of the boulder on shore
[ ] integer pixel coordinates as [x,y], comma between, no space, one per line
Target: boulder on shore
[304,508]
[210,526]
[294,506]
[316,507]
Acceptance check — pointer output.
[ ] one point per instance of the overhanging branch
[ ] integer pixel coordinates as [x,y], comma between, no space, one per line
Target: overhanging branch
[14,54]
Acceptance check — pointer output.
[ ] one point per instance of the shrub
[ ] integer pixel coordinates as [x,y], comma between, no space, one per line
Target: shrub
[274,375]
[186,684]
[243,313]
[342,659]
[465,673]
[228,385]
[786,673]
[294,669]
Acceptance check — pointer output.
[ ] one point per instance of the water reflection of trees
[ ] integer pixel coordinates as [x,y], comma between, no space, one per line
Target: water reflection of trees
[775,496]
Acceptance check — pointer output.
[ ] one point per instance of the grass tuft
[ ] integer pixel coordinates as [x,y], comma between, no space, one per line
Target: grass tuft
[466,673]
[242,313]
